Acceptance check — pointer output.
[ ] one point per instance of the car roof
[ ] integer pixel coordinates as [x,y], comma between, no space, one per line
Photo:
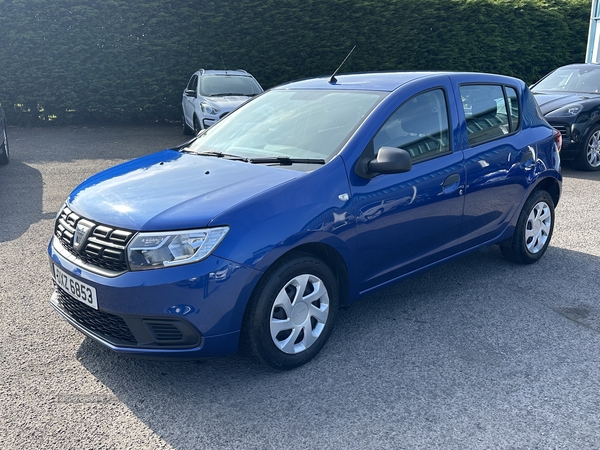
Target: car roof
[237,72]
[579,65]
[383,81]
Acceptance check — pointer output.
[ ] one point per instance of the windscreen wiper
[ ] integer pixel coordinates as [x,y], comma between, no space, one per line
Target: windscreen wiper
[285,160]
[224,155]
[281,160]
[218,155]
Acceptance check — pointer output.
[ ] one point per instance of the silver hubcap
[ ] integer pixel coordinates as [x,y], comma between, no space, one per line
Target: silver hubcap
[593,150]
[538,227]
[299,314]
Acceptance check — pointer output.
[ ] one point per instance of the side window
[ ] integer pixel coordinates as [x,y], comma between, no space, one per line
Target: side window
[419,126]
[485,111]
[513,107]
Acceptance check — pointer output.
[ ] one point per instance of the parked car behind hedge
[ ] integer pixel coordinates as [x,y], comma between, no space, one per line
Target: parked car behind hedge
[308,197]
[212,94]
[569,98]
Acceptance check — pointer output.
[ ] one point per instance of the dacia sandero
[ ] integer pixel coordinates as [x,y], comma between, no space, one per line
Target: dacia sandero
[306,198]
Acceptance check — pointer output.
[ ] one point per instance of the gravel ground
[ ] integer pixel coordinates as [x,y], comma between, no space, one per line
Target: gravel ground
[477,354]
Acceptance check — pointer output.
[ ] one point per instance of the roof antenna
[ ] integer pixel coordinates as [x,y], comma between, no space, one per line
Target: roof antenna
[333,79]
[223,61]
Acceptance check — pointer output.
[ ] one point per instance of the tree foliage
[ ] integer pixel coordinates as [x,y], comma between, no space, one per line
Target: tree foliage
[77,61]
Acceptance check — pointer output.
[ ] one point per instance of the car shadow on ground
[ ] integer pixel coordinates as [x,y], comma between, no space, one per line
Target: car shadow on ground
[22,185]
[398,358]
[21,191]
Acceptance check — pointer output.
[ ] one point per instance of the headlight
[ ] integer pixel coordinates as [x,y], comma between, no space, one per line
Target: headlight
[172,248]
[570,110]
[209,109]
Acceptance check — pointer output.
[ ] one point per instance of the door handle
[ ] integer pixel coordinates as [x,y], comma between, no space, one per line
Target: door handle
[451,183]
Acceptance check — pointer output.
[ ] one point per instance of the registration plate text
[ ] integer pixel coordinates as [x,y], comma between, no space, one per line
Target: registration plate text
[77,289]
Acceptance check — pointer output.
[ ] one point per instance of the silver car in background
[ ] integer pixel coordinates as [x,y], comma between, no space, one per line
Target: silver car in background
[212,94]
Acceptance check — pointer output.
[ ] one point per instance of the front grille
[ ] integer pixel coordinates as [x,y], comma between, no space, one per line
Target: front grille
[93,243]
[110,327]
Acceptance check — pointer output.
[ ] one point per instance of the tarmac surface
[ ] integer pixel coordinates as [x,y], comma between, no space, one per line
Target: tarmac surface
[480,353]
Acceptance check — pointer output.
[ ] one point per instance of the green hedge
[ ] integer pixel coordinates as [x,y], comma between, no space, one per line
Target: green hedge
[79,61]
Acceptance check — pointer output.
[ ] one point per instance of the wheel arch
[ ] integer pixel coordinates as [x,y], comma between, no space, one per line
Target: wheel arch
[329,255]
[550,185]
[587,131]
[580,161]
[335,262]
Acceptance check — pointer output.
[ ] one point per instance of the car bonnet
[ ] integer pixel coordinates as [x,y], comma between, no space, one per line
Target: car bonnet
[549,102]
[171,190]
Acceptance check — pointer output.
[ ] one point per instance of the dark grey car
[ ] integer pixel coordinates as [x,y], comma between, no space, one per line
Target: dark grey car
[569,98]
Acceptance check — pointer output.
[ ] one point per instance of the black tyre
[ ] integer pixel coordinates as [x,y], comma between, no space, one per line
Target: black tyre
[187,131]
[533,231]
[291,313]
[588,158]
[197,127]
[4,153]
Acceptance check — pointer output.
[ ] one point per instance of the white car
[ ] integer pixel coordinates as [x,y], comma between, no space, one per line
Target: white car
[212,94]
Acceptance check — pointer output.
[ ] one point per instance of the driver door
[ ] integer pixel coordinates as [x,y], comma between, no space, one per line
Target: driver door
[408,220]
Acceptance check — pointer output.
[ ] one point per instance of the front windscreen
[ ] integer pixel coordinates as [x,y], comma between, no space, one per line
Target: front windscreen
[584,79]
[290,124]
[224,85]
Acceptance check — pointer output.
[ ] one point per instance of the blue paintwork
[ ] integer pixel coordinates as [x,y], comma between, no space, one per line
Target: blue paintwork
[390,227]
[171,190]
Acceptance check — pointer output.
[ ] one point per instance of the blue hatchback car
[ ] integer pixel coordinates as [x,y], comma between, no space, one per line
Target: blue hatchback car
[308,197]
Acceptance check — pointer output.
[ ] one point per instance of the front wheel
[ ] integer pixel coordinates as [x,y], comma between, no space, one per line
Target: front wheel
[197,127]
[187,131]
[290,316]
[588,158]
[533,231]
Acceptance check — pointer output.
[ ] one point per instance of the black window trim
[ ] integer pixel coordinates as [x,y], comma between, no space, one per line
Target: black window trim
[518,128]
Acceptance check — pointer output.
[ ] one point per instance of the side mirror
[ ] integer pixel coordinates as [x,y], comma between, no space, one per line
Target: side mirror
[190,93]
[390,160]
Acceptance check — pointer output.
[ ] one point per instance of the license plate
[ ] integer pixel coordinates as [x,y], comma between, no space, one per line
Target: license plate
[77,289]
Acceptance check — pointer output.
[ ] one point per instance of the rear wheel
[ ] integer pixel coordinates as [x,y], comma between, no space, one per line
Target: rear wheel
[534,230]
[291,313]
[589,156]
[4,153]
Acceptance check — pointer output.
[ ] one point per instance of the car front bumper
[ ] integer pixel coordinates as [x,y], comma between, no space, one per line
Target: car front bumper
[188,311]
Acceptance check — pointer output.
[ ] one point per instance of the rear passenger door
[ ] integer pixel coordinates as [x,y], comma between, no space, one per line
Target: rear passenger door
[497,159]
